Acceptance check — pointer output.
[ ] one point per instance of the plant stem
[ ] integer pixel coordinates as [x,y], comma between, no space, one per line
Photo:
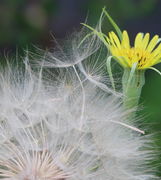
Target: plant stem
[132,89]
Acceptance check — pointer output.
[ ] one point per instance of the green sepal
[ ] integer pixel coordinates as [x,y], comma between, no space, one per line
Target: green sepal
[132,83]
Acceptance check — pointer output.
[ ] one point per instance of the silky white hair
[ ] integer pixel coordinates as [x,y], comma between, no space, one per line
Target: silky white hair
[66,124]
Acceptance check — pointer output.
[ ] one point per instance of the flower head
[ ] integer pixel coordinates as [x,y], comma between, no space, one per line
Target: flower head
[66,133]
[145,52]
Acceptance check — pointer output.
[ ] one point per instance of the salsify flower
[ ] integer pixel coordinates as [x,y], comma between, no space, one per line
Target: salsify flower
[135,59]
[145,52]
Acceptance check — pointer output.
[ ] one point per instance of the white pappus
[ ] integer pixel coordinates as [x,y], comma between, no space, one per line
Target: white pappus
[66,125]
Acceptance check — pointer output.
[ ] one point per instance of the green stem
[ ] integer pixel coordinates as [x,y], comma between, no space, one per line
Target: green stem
[132,89]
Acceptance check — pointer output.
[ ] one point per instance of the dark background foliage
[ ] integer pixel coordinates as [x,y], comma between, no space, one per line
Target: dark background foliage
[35,22]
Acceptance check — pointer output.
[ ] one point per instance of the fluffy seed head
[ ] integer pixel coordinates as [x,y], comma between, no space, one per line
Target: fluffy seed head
[66,127]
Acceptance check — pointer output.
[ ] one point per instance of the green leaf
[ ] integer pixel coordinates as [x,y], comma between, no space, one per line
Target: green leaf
[99,34]
[156,70]
[119,32]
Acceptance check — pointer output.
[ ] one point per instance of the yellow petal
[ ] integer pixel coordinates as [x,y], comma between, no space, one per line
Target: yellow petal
[157,51]
[123,61]
[116,40]
[138,40]
[111,40]
[145,40]
[152,43]
[108,40]
[125,40]
[156,60]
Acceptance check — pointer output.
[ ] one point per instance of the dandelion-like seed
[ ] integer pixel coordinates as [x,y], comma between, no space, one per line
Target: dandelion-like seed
[34,165]
[145,52]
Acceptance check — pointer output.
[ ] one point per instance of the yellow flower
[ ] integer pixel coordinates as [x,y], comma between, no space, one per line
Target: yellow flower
[145,52]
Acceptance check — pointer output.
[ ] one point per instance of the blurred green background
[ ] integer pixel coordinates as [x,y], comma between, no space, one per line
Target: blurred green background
[35,22]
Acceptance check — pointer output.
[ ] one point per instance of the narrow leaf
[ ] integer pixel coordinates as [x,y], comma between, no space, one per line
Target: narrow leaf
[113,24]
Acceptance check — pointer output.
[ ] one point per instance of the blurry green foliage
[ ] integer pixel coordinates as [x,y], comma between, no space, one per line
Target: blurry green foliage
[23,22]
[122,9]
